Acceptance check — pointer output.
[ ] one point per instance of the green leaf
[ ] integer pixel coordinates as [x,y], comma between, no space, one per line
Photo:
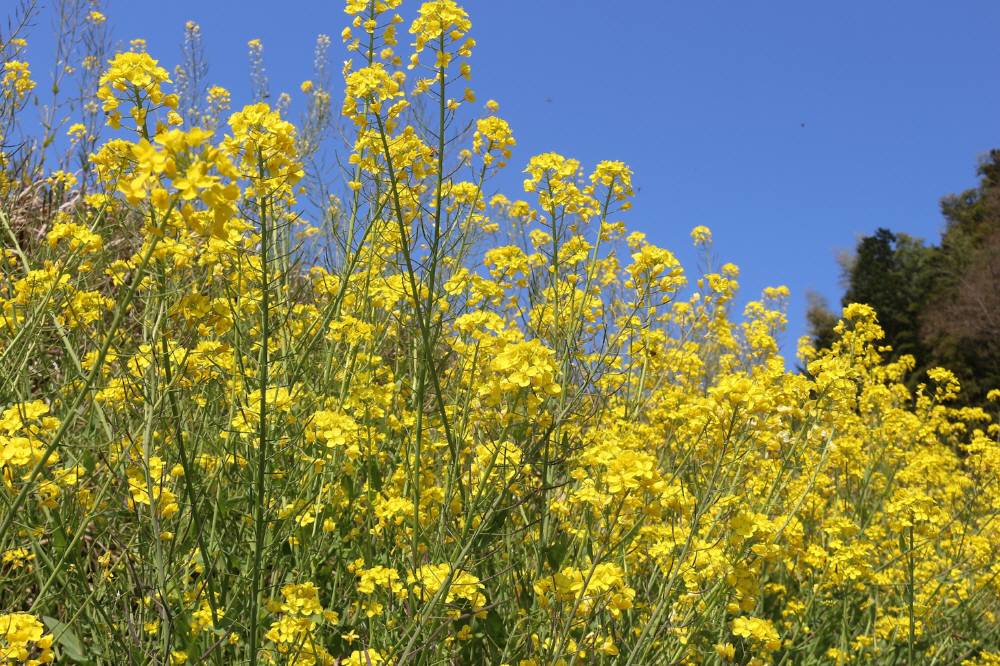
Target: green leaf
[495,628]
[71,645]
[555,552]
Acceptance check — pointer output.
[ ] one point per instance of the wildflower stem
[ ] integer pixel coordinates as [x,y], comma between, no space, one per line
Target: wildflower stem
[259,499]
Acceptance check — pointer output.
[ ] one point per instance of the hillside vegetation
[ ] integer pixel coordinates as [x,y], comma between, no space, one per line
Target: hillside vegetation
[257,410]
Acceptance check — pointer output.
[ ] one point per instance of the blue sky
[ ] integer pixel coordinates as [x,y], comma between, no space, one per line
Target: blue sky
[789,127]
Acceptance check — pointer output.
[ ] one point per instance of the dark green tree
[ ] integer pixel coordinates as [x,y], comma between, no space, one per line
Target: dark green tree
[890,272]
[961,321]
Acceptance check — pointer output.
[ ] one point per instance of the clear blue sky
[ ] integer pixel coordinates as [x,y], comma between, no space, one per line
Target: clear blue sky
[706,100]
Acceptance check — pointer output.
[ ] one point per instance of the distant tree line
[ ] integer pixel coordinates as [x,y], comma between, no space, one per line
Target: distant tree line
[940,303]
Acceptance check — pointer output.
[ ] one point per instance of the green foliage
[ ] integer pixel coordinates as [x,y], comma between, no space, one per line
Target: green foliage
[940,304]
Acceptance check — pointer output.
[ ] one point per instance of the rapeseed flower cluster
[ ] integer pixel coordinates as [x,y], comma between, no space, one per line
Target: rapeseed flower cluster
[416,423]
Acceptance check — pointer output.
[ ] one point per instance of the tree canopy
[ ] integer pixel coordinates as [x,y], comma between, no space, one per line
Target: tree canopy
[939,303]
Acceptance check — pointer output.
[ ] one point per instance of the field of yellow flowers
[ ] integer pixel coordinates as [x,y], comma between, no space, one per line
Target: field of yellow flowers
[431,423]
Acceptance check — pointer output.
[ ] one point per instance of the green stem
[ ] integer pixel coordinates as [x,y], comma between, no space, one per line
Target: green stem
[260,524]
